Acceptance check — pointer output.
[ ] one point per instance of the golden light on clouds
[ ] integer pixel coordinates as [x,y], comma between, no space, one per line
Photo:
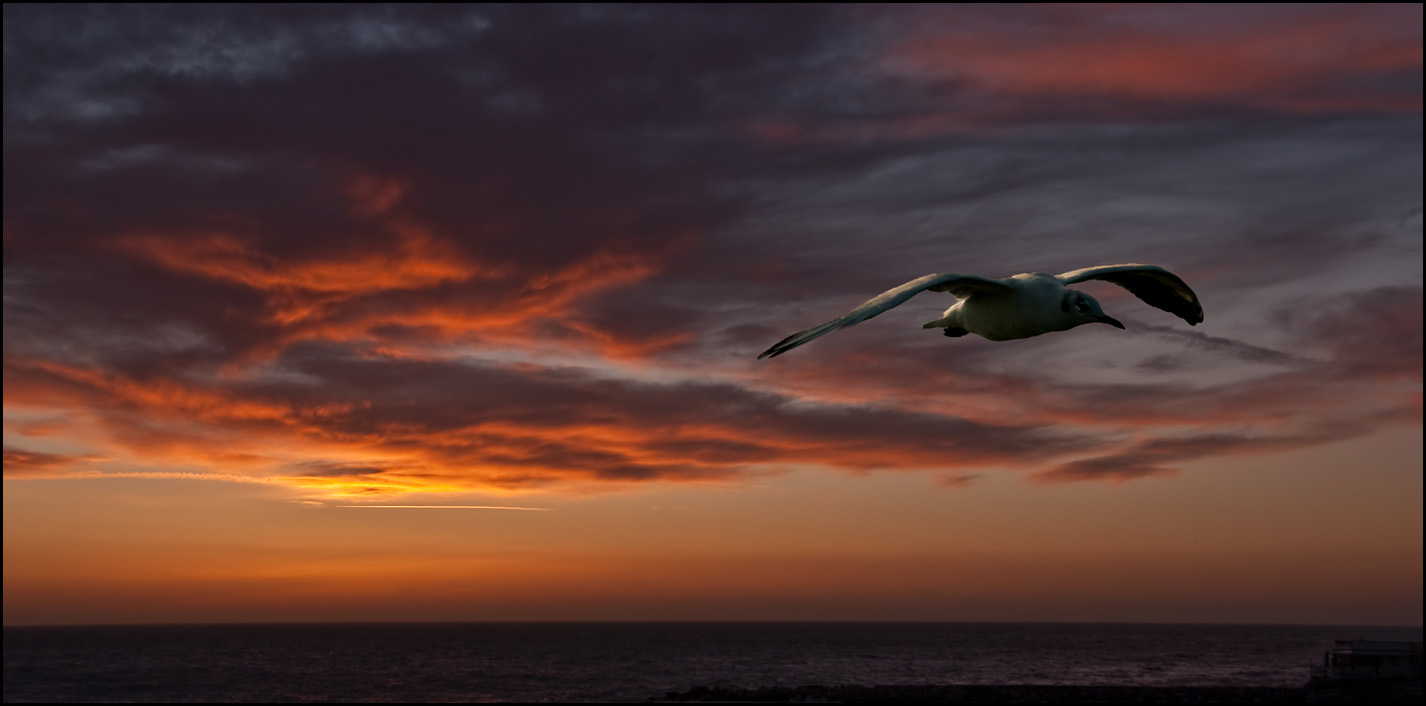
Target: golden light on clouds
[245,299]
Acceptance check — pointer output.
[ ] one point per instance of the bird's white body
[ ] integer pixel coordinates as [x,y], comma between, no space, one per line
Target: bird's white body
[1030,307]
[1021,306]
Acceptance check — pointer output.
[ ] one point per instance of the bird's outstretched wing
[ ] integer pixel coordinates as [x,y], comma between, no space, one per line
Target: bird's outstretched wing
[1155,285]
[962,286]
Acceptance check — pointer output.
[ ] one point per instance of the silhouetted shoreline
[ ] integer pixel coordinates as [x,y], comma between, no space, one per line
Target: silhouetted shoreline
[1055,694]
[644,662]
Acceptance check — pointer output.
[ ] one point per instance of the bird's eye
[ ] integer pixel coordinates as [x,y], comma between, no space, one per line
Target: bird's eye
[1081,307]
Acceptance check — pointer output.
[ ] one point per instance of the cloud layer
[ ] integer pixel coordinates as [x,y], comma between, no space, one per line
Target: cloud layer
[372,251]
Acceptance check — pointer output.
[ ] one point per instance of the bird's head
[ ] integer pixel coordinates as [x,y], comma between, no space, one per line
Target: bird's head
[1084,309]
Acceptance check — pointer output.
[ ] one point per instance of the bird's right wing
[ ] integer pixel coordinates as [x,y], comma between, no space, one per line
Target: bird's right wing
[1155,285]
[962,286]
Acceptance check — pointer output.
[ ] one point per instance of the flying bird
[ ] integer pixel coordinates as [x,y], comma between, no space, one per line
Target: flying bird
[1021,306]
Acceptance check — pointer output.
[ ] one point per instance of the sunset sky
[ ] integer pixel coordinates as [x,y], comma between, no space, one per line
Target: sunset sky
[452,313]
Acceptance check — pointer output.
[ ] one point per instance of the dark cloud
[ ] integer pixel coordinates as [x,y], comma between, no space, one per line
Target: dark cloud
[525,246]
[1347,396]
[959,480]
[298,142]
[1162,456]
[1114,469]
[1373,333]
[20,463]
[319,469]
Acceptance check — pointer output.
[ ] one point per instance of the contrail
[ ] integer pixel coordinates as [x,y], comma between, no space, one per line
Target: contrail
[180,475]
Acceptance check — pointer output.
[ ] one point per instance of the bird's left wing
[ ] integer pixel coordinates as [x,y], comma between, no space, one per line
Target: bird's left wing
[962,286]
[1155,285]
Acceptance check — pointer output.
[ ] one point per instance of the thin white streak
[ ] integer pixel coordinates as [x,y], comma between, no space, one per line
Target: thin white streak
[455,507]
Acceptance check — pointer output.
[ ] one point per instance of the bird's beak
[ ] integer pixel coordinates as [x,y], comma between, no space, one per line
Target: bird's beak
[1107,319]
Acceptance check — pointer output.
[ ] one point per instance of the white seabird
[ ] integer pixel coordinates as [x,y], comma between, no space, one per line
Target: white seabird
[1021,306]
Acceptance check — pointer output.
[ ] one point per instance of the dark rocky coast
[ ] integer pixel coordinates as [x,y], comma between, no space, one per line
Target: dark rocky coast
[1045,694]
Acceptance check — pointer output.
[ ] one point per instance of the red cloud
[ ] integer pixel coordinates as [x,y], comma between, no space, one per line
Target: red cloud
[1294,63]
[969,68]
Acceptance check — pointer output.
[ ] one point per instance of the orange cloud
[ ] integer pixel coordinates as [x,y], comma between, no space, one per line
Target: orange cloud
[342,425]
[418,283]
[407,279]
[384,427]
[415,262]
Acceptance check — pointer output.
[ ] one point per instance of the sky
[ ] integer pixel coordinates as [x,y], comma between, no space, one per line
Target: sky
[376,313]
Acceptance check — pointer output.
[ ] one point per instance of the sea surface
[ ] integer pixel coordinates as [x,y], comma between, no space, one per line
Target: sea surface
[591,662]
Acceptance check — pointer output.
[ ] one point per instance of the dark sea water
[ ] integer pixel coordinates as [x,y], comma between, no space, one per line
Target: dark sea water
[561,662]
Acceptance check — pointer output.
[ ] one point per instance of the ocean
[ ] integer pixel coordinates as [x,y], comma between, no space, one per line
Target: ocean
[601,662]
